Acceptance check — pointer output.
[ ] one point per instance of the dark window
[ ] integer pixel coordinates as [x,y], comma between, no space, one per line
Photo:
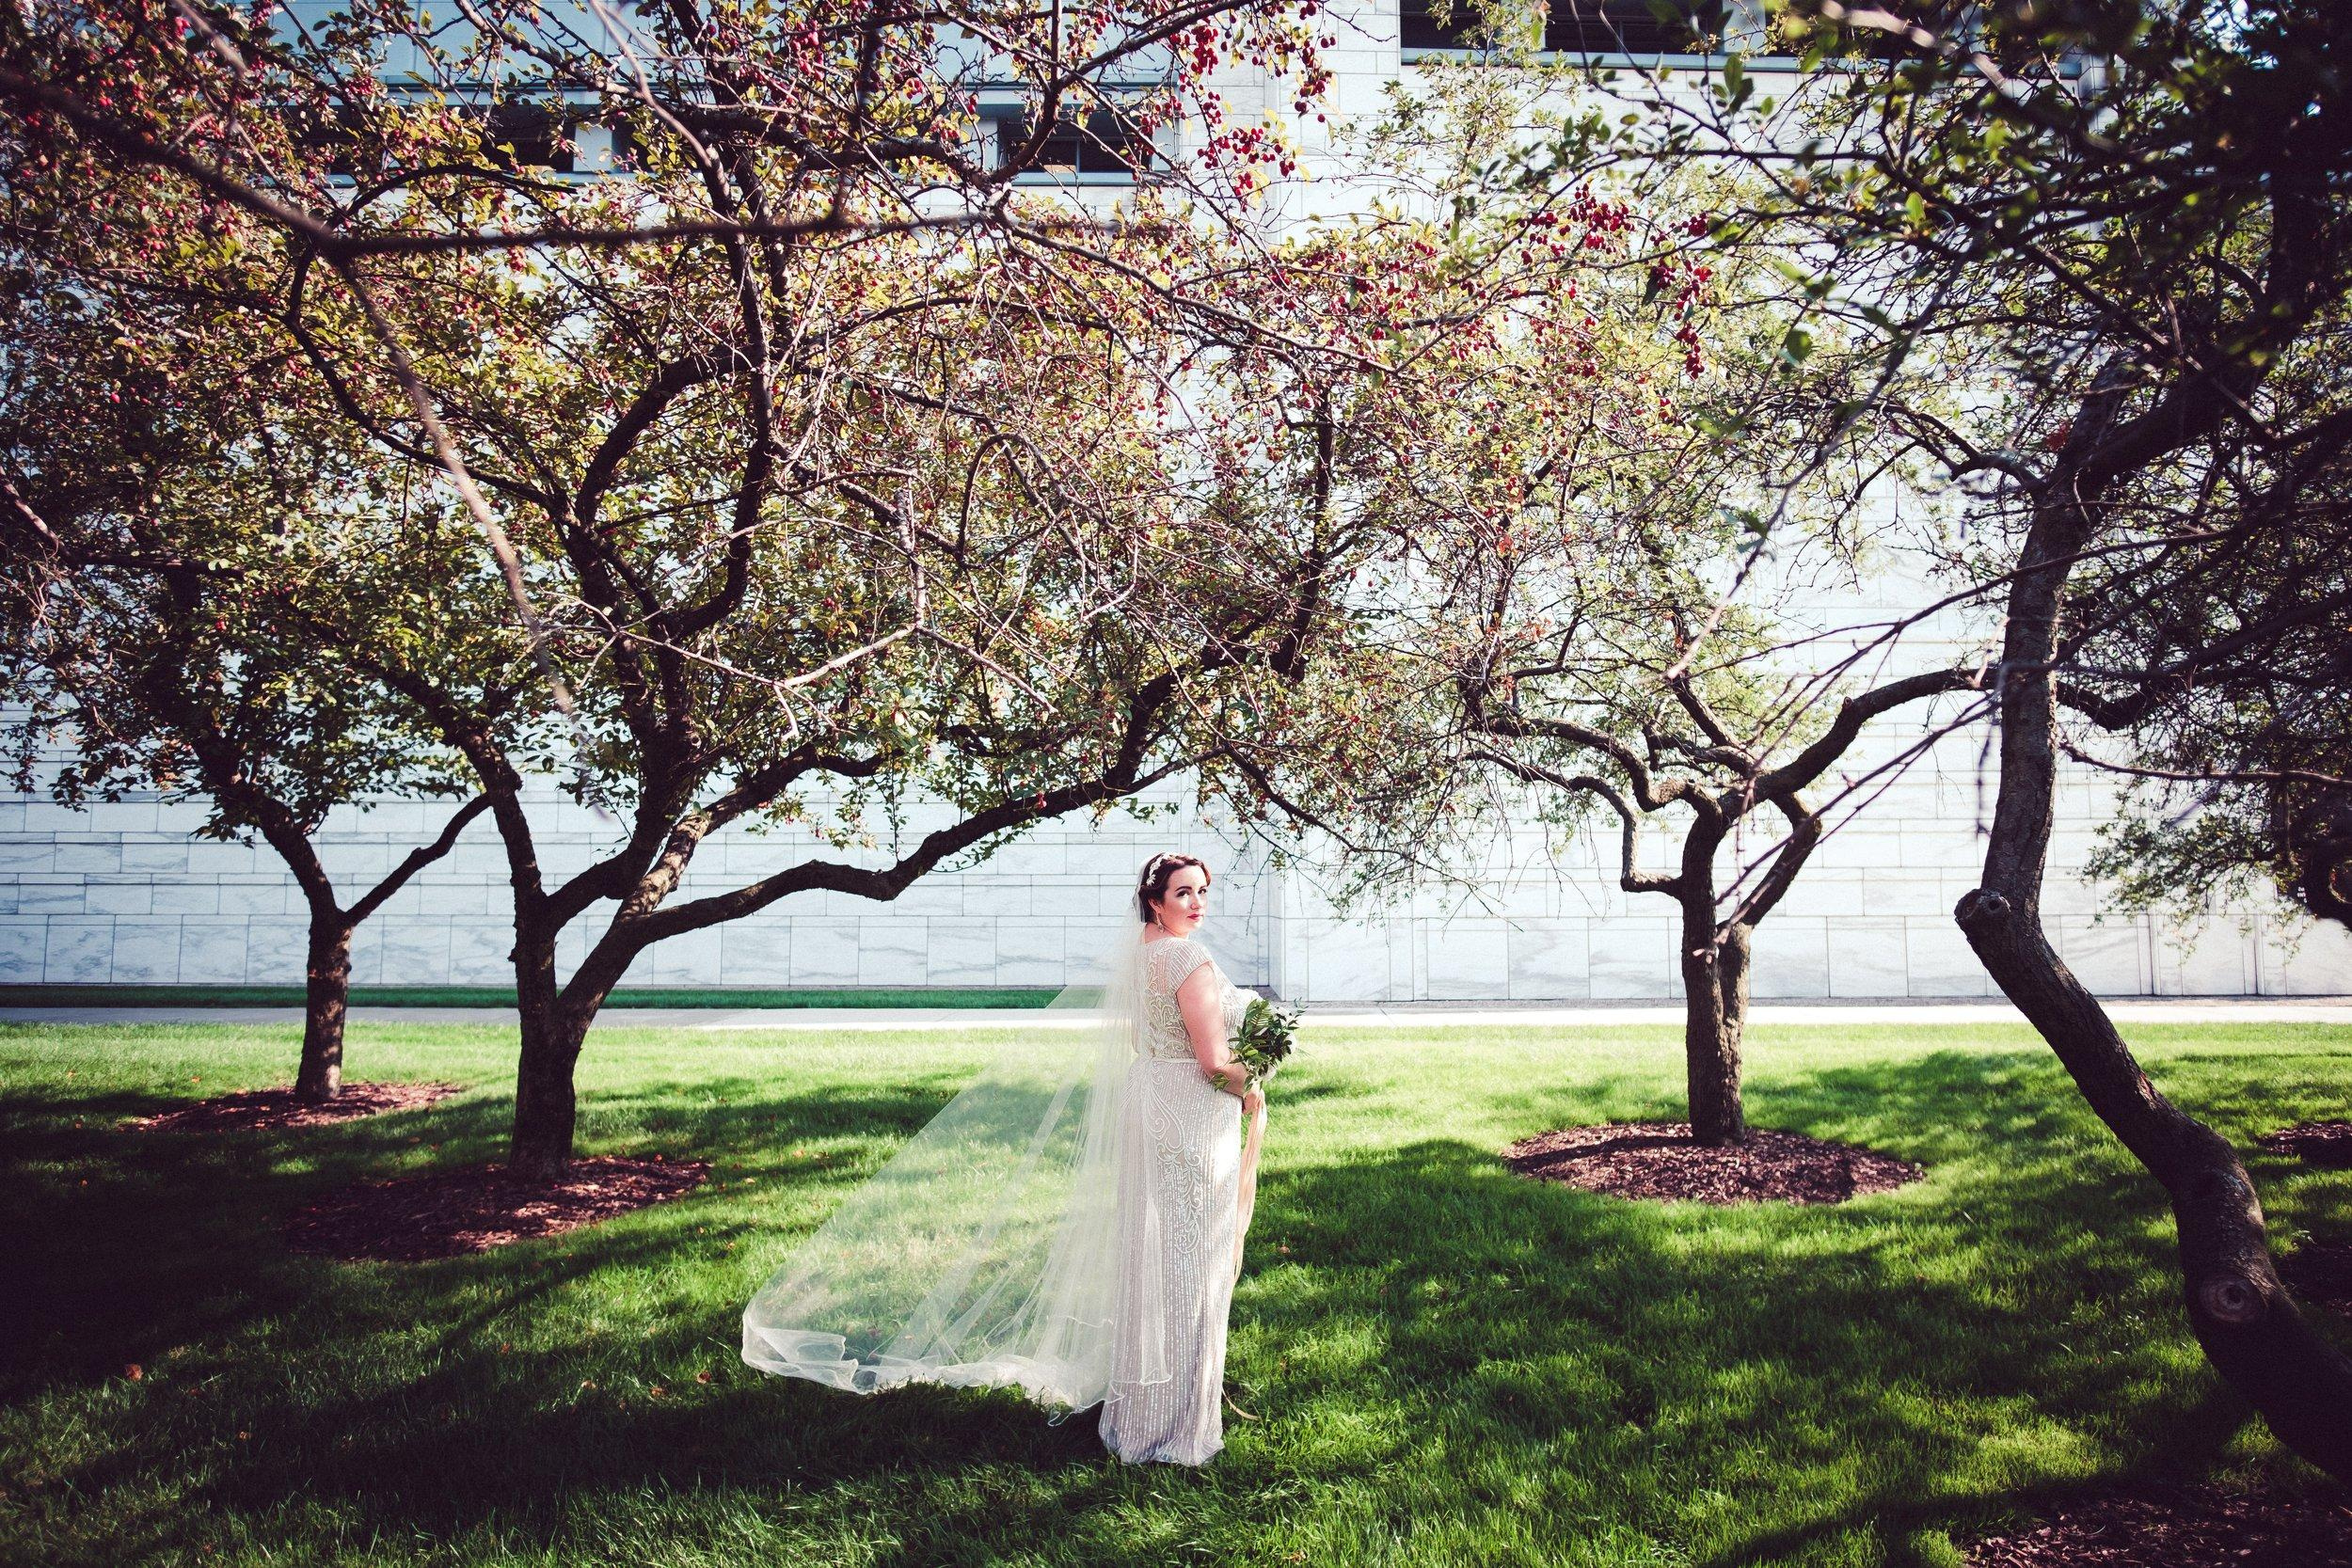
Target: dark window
[1101,142]
[1418,29]
[341,134]
[1633,28]
[526,136]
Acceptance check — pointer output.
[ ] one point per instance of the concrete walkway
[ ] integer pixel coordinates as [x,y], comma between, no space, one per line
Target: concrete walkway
[1413,1015]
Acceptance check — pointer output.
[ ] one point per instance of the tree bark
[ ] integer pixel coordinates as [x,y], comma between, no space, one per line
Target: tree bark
[2244,1317]
[2242,1314]
[1710,1036]
[326,996]
[546,1105]
[1714,993]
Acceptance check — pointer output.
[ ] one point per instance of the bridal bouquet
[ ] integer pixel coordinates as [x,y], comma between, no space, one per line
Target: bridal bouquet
[1263,1042]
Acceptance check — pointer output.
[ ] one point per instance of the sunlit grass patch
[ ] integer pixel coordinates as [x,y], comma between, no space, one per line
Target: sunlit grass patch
[1452,1364]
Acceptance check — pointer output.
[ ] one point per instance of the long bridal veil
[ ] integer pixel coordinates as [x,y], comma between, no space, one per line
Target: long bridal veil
[986,1250]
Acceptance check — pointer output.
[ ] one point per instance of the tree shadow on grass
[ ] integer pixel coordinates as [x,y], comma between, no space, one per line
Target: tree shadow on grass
[1937,1354]
[124,1246]
[1441,1338]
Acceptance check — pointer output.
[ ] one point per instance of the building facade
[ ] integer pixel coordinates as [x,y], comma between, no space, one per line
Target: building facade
[124,894]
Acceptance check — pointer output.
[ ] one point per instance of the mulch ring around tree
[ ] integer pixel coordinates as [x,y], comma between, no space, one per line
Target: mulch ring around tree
[1658,1160]
[256,1109]
[2317,1143]
[2190,1527]
[449,1214]
[2321,1274]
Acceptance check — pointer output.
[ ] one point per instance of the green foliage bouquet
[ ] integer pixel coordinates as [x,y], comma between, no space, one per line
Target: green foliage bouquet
[1263,1042]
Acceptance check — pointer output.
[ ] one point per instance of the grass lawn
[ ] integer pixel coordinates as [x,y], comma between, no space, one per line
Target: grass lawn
[1454,1365]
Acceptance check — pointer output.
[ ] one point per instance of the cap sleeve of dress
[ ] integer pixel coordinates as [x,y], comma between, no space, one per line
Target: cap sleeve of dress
[1182,956]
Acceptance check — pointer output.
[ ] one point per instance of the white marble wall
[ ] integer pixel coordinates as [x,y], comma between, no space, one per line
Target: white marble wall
[1871,917]
[122,894]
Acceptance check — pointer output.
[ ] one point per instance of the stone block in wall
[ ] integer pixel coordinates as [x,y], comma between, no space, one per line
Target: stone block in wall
[1032,952]
[2107,957]
[146,952]
[824,952]
[1938,845]
[2214,960]
[88,857]
[890,952]
[1892,891]
[367,959]
[1631,959]
[23,946]
[1467,960]
[1595,899]
[50,818]
[1108,898]
[477,952]
[49,895]
[2069,848]
[1790,957]
[80,951]
[1345,961]
[416,950]
[27,855]
[2066,892]
[209,857]
[962,953]
[253,896]
[756,950]
[409,822]
[1028,857]
[360,863]
[1830,892]
[1854,846]
[180,818]
[109,896]
[276,950]
[442,896]
[747,857]
[1939,960]
[929,895]
[1866,957]
[212,953]
[1548,961]
[481,854]
[689,958]
[115,819]
[2309,959]
[559,858]
[155,857]
[1086,942]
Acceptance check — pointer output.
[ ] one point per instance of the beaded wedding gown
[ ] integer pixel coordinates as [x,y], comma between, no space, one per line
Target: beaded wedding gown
[1070,1224]
[1181,1219]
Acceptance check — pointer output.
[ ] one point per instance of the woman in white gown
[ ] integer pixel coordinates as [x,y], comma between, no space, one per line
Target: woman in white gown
[1183,1207]
[1071,1222]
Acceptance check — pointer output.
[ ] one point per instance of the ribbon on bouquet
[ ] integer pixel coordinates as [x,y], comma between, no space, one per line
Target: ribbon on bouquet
[1248,1182]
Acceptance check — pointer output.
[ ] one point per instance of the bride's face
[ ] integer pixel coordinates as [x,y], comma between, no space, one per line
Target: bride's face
[1185,903]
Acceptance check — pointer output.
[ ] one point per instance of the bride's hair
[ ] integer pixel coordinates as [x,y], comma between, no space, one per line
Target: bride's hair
[1158,872]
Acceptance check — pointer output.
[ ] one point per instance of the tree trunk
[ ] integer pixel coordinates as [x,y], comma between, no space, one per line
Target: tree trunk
[325,1000]
[2243,1316]
[1715,995]
[546,1108]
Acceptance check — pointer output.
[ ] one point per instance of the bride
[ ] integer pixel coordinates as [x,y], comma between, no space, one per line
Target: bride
[1071,1222]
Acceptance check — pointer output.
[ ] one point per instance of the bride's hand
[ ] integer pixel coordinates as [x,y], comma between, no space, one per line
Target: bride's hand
[1252,1102]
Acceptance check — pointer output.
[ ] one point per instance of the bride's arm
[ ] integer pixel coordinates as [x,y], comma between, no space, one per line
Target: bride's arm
[1203,1008]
